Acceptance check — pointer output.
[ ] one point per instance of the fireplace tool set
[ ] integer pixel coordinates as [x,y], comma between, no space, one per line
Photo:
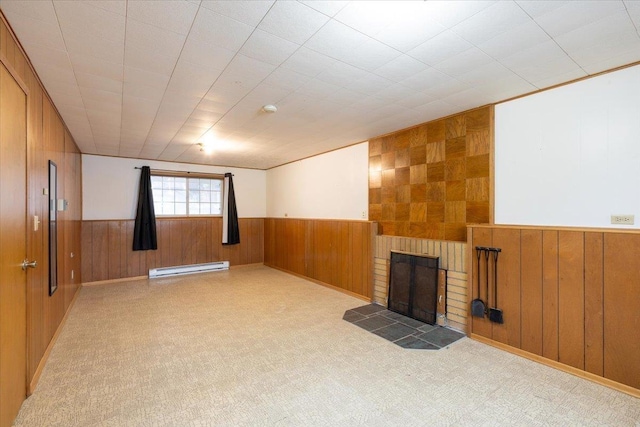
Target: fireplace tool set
[478,307]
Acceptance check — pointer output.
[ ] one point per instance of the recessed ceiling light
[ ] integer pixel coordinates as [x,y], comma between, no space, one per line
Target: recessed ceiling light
[269,108]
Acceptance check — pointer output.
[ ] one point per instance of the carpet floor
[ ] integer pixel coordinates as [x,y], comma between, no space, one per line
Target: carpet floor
[258,347]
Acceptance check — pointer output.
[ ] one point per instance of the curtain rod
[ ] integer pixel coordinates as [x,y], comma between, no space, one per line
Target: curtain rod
[171,170]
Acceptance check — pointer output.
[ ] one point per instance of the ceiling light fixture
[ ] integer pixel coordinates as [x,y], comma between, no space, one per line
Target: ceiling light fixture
[269,108]
[205,148]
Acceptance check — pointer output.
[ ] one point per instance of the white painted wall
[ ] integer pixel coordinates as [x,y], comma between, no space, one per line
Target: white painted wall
[110,186]
[334,185]
[570,156]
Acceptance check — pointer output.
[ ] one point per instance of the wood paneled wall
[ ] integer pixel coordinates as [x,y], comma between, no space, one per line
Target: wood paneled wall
[334,252]
[107,253]
[568,295]
[47,139]
[431,180]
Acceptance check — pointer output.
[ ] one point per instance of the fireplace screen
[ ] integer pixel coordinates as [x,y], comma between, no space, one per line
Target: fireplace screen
[413,286]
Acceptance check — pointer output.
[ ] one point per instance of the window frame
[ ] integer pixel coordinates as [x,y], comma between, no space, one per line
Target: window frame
[188,175]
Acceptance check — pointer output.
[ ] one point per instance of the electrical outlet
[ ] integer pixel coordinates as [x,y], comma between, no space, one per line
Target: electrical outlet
[364,215]
[622,219]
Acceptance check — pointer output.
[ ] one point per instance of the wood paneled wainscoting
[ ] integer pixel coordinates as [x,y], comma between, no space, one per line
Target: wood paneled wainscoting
[337,253]
[570,297]
[107,253]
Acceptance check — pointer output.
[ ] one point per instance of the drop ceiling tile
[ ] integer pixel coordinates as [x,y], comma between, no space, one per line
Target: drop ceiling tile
[447,88]
[39,10]
[142,59]
[268,48]
[66,95]
[510,42]
[439,48]
[612,62]
[153,40]
[293,21]
[492,72]
[265,94]
[87,45]
[99,82]
[344,96]
[426,79]
[633,7]
[96,66]
[462,62]
[88,19]
[416,99]
[329,8]
[371,55]
[316,89]
[370,17]
[622,46]
[249,12]
[96,95]
[341,74]
[500,17]
[115,6]
[575,14]
[54,75]
[45,57]
[400,68]
[308,62]
[175,16]
[206,55]
[535,8]
[135,76]
[33,31]
[245,72]
[286,79]
[609,28]
[450,13]
[336,40]
[436,109]
[204,115]
[149,93]
[543,52]
[395,93]
[556,79]
[191,80]
[370,84]
[140,106]
[414,28]
[220,30]
[175,102]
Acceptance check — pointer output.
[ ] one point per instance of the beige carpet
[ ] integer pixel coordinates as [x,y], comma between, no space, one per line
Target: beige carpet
[258,347]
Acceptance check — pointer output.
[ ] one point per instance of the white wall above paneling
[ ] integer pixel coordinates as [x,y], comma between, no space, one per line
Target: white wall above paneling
[333,185]
[110,186]
[570,156]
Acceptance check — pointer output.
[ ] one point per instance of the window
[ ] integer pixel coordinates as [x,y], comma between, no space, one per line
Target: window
[186,196]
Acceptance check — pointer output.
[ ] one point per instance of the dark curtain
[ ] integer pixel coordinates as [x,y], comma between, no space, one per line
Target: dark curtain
[144,232]
[230,228]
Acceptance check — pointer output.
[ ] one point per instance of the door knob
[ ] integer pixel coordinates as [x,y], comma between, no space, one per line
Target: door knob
[26,263]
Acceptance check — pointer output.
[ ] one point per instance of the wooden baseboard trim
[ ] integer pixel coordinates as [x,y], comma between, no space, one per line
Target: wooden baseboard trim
[113,281]
[43,361]
[560,366]
[318,282]
[235,267]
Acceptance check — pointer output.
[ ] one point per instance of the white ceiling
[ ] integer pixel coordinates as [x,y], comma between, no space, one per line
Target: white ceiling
[149,79]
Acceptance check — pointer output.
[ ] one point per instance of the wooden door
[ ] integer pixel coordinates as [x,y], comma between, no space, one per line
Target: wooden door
[13,343]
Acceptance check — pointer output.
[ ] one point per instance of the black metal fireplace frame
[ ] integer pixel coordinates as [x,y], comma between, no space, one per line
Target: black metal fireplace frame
[427,314]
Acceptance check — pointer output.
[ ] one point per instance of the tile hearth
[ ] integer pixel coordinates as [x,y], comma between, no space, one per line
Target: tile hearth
[401,330]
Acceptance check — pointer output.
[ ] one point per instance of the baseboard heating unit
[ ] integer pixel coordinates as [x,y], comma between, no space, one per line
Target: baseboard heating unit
[188,269]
